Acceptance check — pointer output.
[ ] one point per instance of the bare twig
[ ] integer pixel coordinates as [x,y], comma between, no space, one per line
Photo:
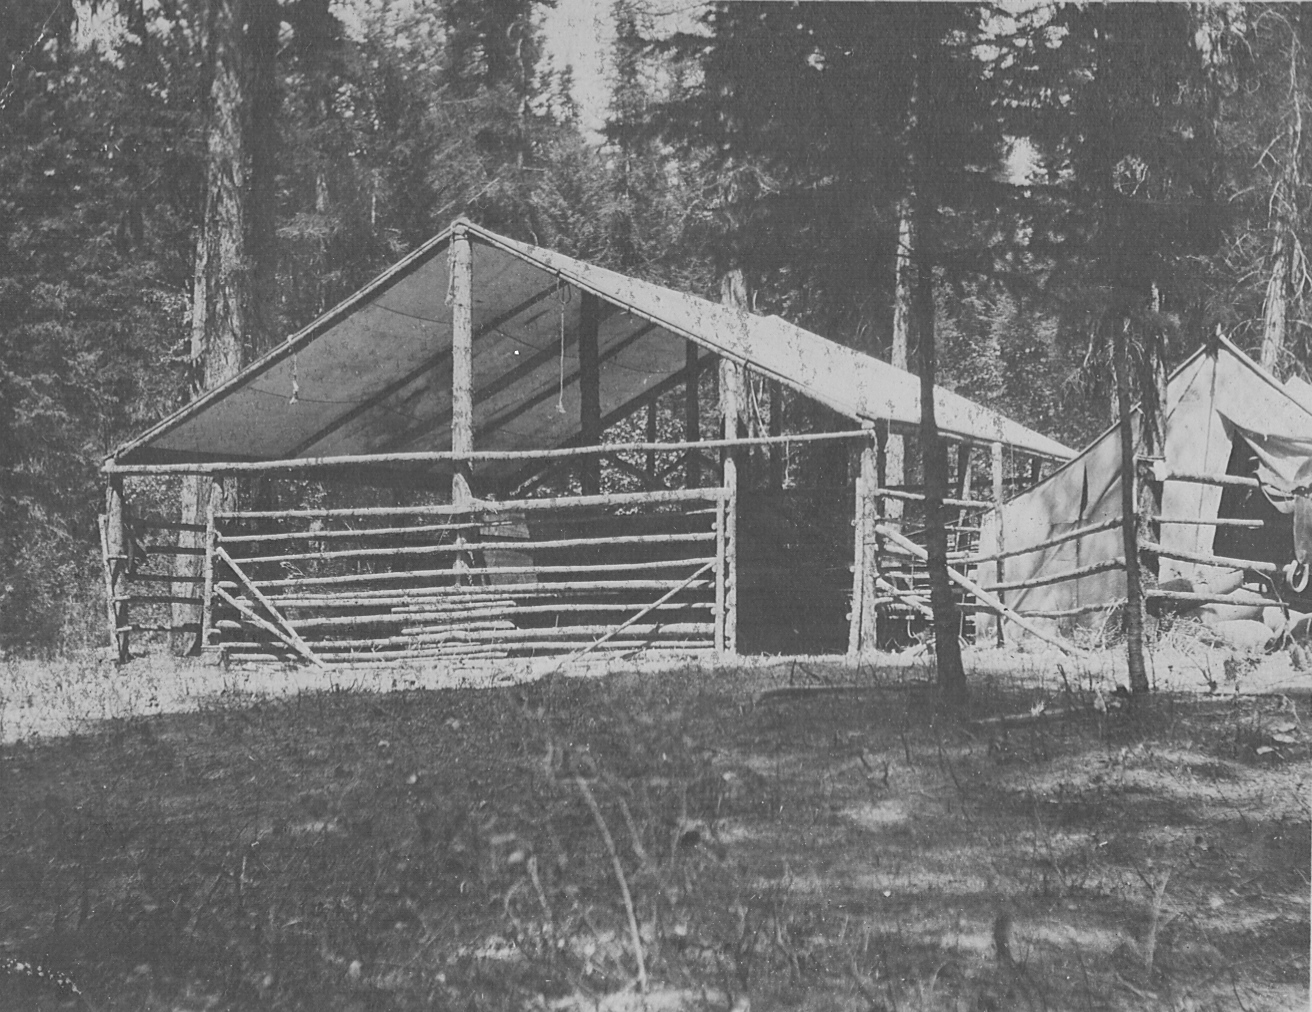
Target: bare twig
[623,882]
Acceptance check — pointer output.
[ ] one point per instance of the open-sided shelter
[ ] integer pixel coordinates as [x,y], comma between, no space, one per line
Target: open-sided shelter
[1238,446]
[464,371]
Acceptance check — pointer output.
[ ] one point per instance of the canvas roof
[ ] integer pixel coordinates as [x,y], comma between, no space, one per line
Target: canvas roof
[373,375]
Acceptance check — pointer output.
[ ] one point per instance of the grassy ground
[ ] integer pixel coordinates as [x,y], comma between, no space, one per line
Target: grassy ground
[481,849]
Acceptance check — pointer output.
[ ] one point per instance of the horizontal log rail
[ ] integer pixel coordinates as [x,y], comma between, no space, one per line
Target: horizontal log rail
[1240,600]
[1214,522]
[475,456]
[642,631]
[492,508]
[158,627]
[1087,609]
[379,645]
[1223,480]
[392,598]
[478,546]
[979,592]
[459,593]
[361,532]
[1064,576]
[160,524]
[155,599]
[893,493]
[1206,559]
[140,577]
[1053,542]
[423,574]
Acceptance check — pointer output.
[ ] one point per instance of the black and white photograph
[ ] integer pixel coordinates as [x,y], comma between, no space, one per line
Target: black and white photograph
[655,506]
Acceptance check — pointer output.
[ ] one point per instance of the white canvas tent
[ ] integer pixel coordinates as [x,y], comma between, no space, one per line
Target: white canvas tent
[1214,398]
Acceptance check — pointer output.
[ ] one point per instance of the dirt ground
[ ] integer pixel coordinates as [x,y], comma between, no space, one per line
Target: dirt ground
[801,836]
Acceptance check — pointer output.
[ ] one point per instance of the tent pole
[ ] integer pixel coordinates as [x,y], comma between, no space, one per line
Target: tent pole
[998,495]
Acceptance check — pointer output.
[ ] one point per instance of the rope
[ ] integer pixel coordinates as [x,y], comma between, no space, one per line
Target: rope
[296,383]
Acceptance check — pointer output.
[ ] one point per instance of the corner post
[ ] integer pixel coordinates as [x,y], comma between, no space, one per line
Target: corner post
[692,412]
[118,559]
[863,628]
[999,493]
[462,373]
[733,293]
[590,391]
[211,543]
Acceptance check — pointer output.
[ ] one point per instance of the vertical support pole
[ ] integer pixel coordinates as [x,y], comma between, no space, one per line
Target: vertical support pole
[881,476]
[692,413]
[960,488]
[1129,515]
[721,566]
[462,375]
[651,438]
[732,402]
[999,494]
[462,362]
[858,566]
[118,554]
[731,558]
[211,543]
[777,450]
[863,632]
[589,391]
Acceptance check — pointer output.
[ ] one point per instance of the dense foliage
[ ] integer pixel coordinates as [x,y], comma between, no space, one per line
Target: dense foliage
[1072,170]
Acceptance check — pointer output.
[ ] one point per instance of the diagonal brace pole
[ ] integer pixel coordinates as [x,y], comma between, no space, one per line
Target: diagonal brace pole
[292,637]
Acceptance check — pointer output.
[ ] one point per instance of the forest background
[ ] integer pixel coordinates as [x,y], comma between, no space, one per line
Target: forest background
[1051,175]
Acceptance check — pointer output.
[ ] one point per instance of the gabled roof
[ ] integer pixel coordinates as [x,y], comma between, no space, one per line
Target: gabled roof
[373,375]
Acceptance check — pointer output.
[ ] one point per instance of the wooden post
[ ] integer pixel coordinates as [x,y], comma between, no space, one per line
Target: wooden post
[651,438]
[462,375]
[999,494]
[776,427]
[721,571]
[211,543]
[863,630]
[589,391]
[462,362]
[732,402]
[1129,515]
[731,558]
[692,414]
[118,553]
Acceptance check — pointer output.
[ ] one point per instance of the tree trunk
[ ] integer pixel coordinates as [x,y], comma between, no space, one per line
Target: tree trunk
[1129,527]
[903,299]
[221,293]
[947,643]
[1284,211]
[265,19]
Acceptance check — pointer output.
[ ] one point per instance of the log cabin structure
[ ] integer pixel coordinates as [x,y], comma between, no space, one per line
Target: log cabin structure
[463,472]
